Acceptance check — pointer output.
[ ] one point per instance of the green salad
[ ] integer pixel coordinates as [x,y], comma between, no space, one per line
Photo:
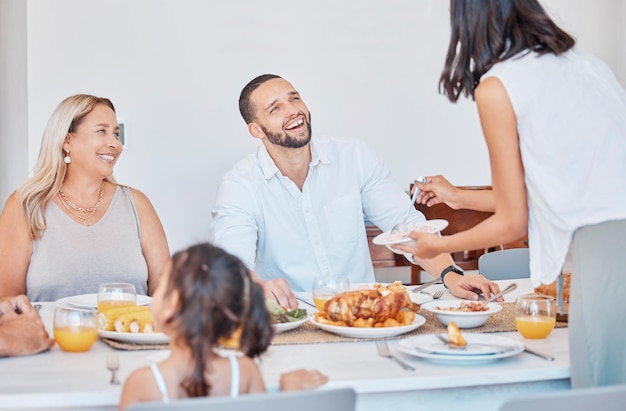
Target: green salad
[282,315]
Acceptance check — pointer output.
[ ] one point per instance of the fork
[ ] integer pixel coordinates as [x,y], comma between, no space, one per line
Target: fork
[113,365]
[383,351]
[437,295]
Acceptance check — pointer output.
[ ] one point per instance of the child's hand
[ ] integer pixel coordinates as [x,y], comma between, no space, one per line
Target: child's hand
[302,380]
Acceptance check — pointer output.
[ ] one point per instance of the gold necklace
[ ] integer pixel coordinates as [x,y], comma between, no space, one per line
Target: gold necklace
[91,210]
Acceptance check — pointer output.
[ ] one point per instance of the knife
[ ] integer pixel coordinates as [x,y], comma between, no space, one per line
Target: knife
[428,284]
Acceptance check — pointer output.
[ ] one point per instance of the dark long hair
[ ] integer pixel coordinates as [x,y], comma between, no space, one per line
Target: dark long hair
[485,32]
[217,297]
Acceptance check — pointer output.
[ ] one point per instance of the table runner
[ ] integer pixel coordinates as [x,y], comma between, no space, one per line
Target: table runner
[309,334]
[504,321]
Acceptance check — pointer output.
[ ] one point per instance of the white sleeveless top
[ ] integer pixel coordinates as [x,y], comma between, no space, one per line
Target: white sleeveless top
[71,258]
[571,122]
[234,378]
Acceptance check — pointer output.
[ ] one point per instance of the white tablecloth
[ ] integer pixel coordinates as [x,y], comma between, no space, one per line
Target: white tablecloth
[56,379]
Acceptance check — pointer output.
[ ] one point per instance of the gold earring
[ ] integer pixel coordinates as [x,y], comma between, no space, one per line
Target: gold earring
[67,159]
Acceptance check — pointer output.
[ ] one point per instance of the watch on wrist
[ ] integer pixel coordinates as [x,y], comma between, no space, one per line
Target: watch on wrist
[451,268]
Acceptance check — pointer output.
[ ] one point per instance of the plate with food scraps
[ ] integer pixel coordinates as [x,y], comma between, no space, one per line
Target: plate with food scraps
[282,327]
[91,301]
[388,238]
[370,332]
[480,347]
[135,338]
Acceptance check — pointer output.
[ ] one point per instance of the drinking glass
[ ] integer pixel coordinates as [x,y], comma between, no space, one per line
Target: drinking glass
[112,295]
[75,329]
[326,287]
[535,315]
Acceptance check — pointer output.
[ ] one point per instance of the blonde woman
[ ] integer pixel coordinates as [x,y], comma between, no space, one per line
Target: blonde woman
[71,227]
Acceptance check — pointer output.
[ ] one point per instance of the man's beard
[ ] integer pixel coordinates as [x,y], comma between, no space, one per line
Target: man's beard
[285,140]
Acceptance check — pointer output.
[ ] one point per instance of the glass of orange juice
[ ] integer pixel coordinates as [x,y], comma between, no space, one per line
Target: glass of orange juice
[326,287]
[75,328]
[112,295]
[535,315]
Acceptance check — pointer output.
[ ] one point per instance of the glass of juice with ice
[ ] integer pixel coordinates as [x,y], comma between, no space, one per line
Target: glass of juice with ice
[535,315]
[326,287]
[75,329]
[111,295]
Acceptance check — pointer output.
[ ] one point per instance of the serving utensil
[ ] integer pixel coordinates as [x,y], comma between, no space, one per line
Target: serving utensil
[436,296]
[402,227]
[428,284]
[383,351]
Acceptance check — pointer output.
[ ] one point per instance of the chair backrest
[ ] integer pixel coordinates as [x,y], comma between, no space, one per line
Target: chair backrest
[505,264]
[608,398]
[341,399]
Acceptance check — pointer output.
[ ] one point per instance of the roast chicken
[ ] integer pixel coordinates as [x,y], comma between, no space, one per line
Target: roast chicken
[372,306]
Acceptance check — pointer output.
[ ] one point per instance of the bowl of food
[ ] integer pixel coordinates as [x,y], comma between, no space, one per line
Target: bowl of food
[466,314]
[284,319]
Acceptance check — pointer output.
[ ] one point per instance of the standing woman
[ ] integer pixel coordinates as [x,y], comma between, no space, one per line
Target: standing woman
[71,227]
[554,119]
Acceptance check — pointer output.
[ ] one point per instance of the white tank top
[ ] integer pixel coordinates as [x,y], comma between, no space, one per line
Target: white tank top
[71,258]
[571,122]
[234,378]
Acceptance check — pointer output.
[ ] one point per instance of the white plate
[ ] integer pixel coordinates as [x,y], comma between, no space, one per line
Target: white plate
[486,348]
[430,226]
[91,301]
[135,338]
[358,332]
[282,327]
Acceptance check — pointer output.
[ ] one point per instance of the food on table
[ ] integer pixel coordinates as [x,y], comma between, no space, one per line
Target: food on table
[419,227]
[550,289]
[281,315]
[134,319]
[382,306]
[233,341]
[454,335]
[466,307]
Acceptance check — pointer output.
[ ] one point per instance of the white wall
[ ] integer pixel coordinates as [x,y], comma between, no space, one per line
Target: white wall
[175,68]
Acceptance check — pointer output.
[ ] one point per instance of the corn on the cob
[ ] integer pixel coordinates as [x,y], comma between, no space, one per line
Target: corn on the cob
[126,319]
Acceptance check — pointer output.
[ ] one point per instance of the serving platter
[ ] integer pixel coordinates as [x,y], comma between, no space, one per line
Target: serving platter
[135,338]
[370,332]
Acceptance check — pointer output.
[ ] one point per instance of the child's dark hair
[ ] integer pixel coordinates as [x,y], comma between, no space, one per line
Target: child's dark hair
[216,297]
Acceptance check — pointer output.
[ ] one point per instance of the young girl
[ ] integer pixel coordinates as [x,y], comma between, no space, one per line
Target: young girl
[206,298]
[554,119]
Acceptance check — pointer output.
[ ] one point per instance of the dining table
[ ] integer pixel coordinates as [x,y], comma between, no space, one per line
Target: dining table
[55,380]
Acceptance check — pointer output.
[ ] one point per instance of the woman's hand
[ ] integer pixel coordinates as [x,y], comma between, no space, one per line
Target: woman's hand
[437,190]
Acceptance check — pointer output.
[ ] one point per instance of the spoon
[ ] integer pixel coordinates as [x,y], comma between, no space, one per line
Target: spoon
[402,227]
[508,289]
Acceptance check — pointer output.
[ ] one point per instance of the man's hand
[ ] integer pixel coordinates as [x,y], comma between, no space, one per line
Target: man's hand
[469,287]
[280,291]
[277,290]
[21,330]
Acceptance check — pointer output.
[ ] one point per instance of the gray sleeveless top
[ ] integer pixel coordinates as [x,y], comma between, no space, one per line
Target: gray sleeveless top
[71,258]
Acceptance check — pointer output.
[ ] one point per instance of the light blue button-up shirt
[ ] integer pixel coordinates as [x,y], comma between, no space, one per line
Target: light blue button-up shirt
[278,231]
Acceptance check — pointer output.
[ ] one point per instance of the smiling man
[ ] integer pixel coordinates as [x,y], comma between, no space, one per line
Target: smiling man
[296,208]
